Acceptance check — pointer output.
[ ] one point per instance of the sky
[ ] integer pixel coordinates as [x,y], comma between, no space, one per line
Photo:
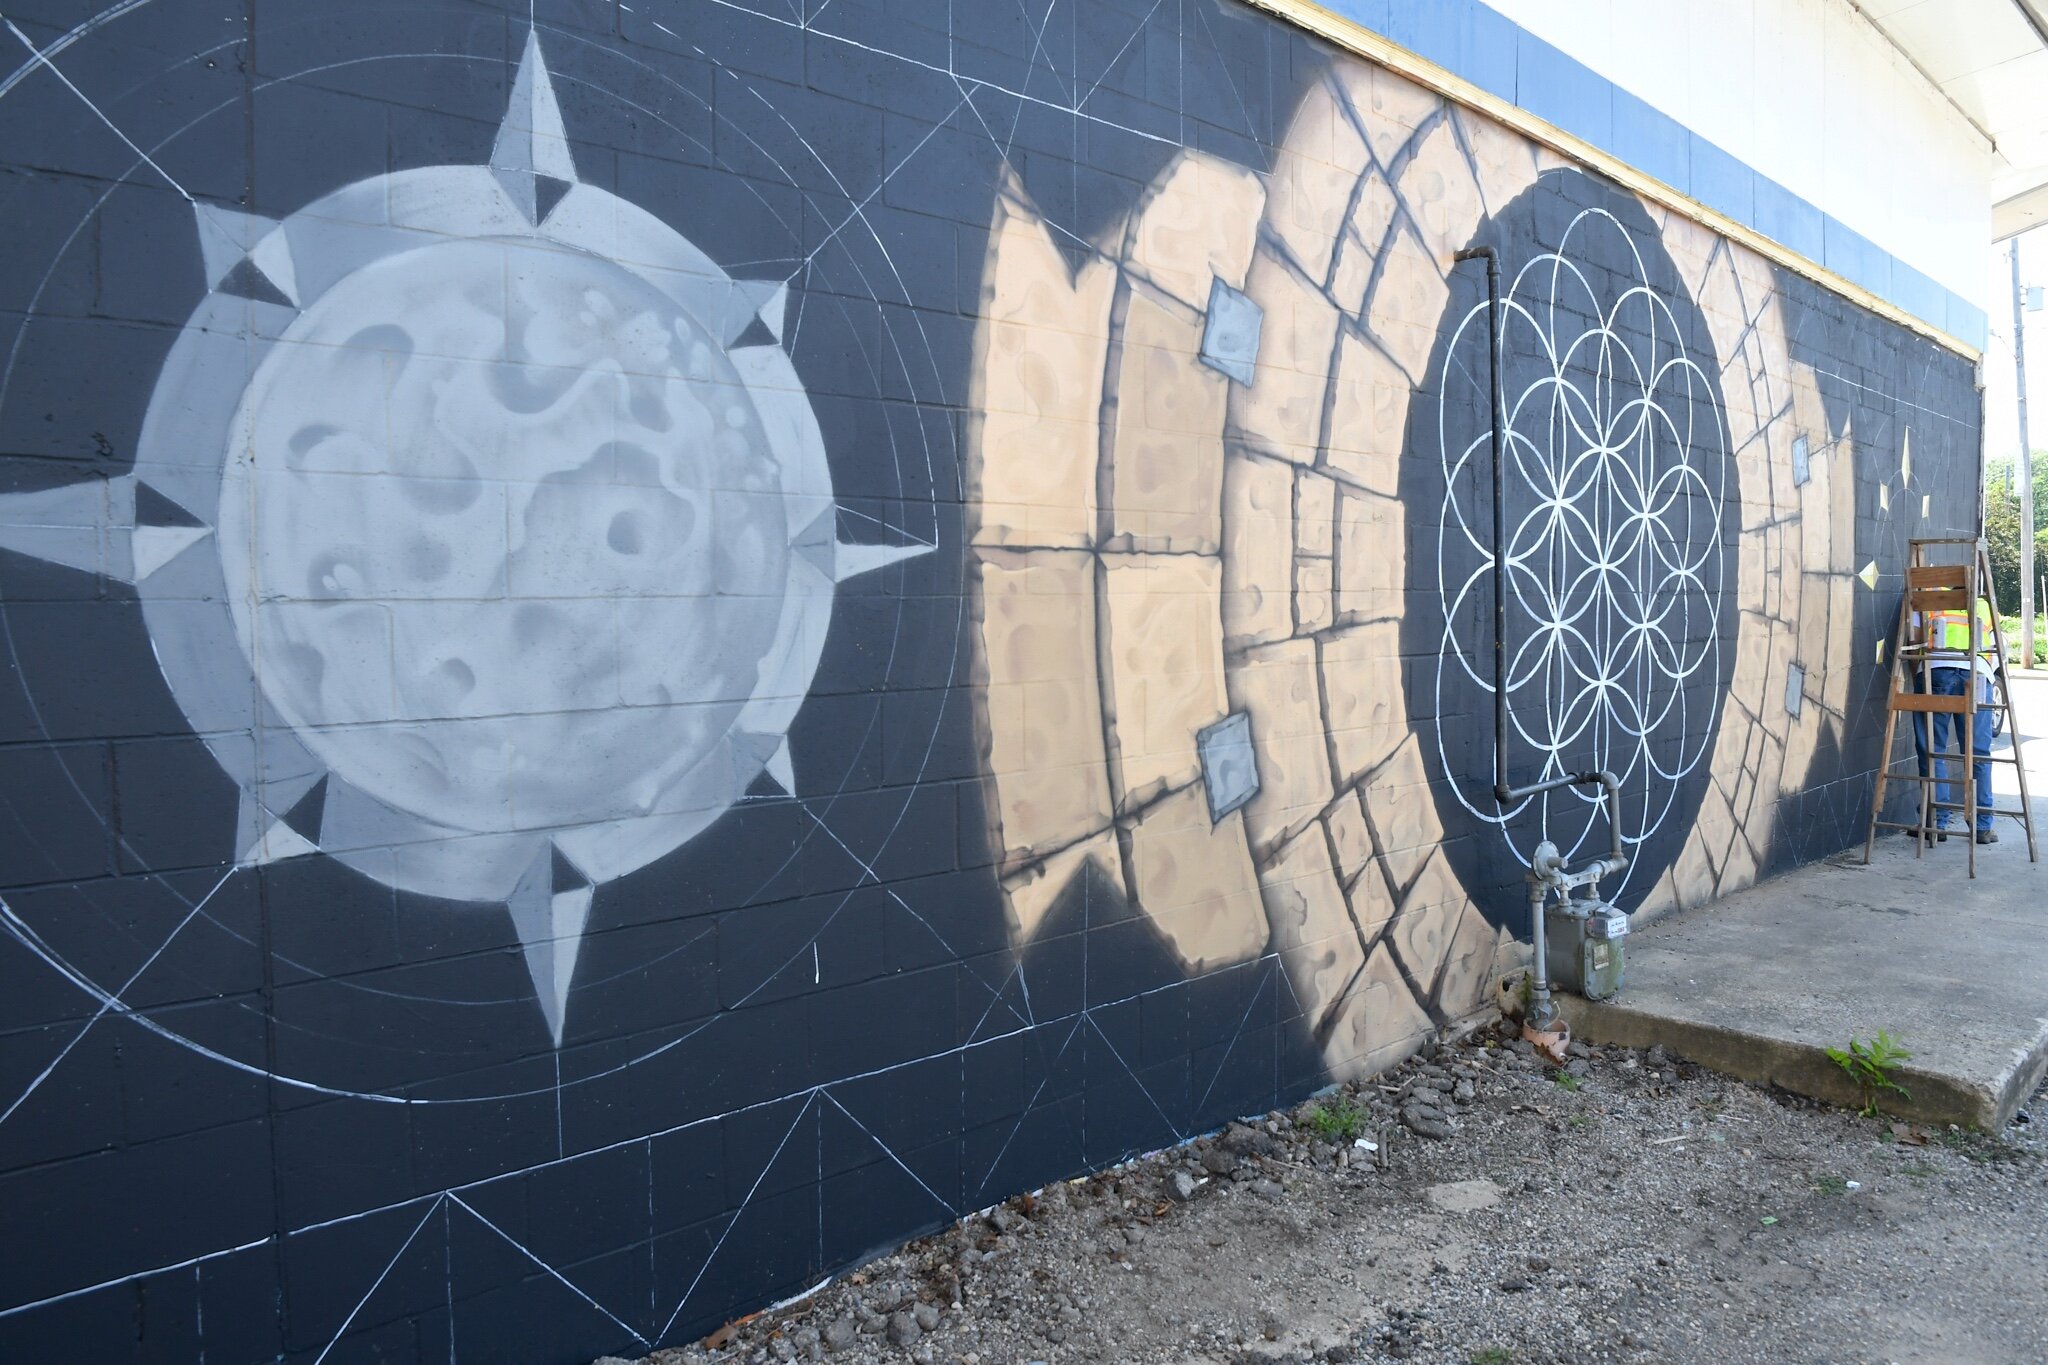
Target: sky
[2001,433]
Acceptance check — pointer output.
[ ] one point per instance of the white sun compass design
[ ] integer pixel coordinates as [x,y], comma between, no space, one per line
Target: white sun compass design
[483,531]
[1614,476]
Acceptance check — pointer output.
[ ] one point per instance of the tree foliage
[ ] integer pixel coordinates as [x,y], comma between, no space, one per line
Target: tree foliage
[2002,530]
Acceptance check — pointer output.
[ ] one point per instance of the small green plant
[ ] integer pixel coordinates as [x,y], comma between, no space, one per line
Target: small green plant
[1493,1355]
[1869,1063]
[1565,1080]
[1337,1119]
[1831,1184]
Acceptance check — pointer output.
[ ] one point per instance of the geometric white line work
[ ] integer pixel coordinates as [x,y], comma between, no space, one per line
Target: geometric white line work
[1269,977]
[1615,573]
[112,1000]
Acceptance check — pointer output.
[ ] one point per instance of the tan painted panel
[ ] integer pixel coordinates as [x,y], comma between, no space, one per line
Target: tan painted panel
[1310,187]
[1408,304]
[1403,811]
[1372,558]
[1442,197]
[1042,711]
[1368,418]
[1507,163]
[1276,685]
[1371,220]
[1399,106]
[1423,937]
[1258,530]
[1165,650]
[1198,223]
[1034,429]
[1315,514]
[1314,596]
[1361,679]
[1350,840]
[1311,924]
[1282,411]
[1468,971]
[1196,881]
[1372,899]
[1166,467]
[1035,484]
[1380,1021]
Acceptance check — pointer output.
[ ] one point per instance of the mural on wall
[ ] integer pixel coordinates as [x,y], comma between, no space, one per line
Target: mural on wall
[645,648]
[482,528]
[1247,495]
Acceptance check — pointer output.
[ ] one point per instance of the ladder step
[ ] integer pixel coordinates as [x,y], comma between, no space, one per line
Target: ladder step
[1949,754]
[1930,702]
[1938,576]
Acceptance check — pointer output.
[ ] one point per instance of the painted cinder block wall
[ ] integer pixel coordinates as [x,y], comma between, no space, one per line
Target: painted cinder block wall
[647,648]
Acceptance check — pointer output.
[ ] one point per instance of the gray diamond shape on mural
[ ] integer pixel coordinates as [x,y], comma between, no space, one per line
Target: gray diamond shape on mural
[1230,337]
[1230,771]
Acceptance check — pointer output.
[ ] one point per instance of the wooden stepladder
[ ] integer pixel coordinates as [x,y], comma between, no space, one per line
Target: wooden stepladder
[1952,588]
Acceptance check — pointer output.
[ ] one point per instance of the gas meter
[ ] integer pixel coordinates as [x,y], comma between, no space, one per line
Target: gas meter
[1585,942]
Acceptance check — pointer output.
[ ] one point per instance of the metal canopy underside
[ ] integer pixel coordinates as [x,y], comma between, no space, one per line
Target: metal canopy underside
[1990,57]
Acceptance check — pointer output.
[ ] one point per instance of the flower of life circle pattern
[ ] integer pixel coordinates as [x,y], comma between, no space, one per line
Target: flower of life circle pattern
[1614,465]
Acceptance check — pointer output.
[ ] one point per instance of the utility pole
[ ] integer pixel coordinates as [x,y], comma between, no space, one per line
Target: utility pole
[2025,467]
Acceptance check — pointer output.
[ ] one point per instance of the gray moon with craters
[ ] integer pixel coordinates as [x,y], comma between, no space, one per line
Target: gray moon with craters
[508,516]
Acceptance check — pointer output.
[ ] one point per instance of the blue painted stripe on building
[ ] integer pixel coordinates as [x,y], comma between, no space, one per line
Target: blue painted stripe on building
[1550,85]
[1474,41]
[1721,180]
[1967,320]
[1783,216]
[1652,141]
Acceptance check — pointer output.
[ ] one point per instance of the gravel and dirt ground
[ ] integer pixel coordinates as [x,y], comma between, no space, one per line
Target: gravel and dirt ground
[1627,1208]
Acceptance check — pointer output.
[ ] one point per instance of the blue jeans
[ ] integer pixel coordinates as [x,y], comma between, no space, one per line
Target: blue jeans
[1950,682]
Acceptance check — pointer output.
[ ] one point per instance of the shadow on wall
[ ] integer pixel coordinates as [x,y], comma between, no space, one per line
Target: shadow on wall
[1231,549]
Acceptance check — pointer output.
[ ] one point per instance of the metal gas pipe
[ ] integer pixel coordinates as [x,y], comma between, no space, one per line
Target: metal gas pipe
[1547,872]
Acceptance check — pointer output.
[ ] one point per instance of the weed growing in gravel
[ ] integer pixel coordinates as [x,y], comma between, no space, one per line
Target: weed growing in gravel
[1869,1063]
[1831,1184]
[1337,1119]
[1493,1355]
[1565,1080]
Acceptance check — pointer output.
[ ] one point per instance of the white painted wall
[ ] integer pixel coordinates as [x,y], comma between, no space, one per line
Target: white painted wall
[1811,94]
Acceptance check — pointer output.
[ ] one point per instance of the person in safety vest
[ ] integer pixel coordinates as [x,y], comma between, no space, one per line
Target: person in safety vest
[1951,656]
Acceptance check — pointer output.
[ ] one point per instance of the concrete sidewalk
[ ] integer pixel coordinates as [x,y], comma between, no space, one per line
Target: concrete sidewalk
[1758,985]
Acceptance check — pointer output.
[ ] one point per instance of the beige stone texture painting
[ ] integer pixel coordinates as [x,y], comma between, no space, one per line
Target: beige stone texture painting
[1160,544]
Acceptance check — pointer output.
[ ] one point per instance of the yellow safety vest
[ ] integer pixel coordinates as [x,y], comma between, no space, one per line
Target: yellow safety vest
[1948,632]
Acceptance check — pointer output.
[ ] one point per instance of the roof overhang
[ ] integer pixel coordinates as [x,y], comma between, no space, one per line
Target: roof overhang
[1990,58]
